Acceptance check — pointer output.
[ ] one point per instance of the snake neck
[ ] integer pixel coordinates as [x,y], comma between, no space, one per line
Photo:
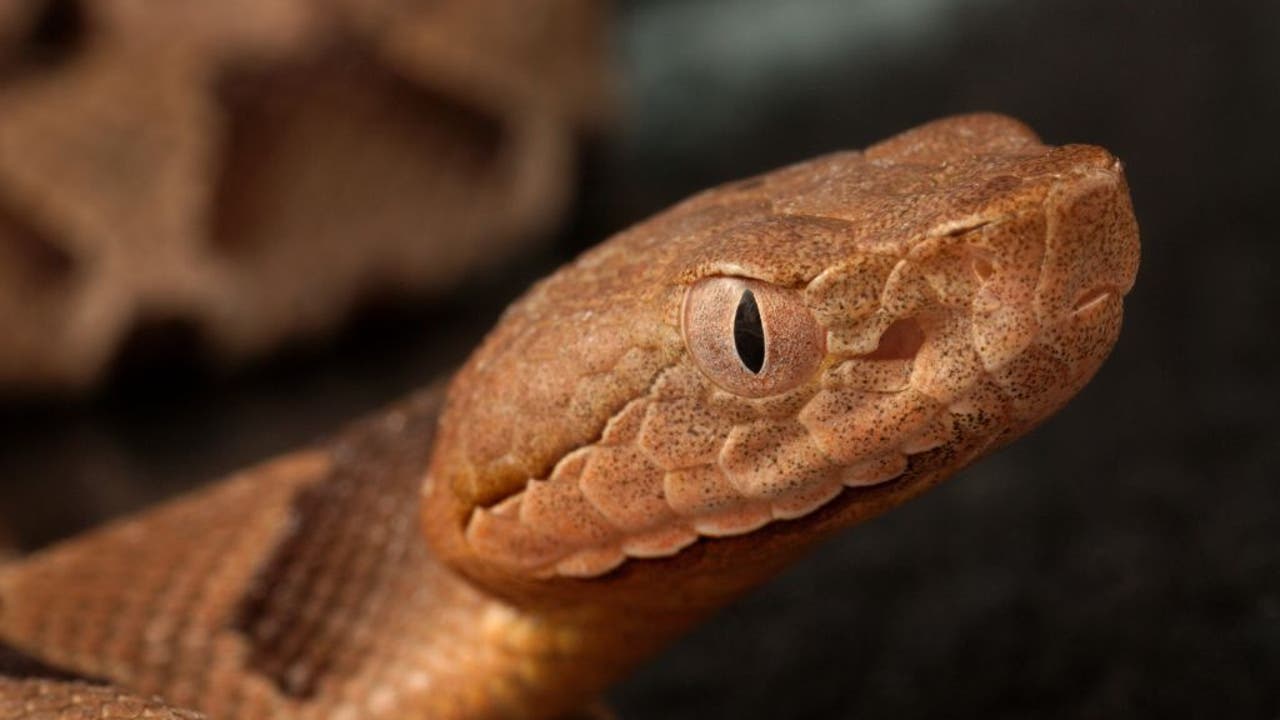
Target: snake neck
[304,588]
[353,596]
[496,659]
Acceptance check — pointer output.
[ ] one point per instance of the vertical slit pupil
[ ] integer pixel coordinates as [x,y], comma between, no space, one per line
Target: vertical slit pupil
[56,31]
[748,333]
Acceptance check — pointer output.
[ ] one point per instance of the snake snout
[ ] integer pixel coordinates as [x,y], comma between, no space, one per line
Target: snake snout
[1090,260]
[1091,244]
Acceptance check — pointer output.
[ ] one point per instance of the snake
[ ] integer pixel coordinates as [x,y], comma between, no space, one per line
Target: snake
[648,433]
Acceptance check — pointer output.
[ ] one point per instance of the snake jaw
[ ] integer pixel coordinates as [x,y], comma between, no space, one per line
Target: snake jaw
[606,503]
[960,282]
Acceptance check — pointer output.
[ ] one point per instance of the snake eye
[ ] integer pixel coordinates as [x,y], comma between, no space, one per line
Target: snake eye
[749,337]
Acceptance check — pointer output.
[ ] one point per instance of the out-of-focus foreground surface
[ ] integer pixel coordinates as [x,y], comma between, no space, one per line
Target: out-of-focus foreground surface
[1124,561]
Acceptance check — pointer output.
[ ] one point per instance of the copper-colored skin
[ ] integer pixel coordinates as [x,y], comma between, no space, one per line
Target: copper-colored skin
[605,471]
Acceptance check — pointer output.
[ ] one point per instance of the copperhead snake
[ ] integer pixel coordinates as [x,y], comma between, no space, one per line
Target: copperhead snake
[654,429]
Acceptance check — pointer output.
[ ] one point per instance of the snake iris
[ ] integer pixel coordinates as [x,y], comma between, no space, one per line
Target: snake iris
[654,429]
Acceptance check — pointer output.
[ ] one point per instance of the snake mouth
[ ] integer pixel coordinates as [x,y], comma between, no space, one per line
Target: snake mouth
[1094,298]
[558,529]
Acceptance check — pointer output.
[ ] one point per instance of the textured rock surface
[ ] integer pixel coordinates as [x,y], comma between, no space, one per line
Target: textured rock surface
[51,700]
[253,169]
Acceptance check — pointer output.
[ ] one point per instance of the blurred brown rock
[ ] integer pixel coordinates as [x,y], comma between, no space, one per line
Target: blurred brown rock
[256,167]
[32,698]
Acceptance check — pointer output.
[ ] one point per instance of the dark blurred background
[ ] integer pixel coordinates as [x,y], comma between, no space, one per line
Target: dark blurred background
[1122,561]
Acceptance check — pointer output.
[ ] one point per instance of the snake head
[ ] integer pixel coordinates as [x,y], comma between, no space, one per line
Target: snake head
[706,393]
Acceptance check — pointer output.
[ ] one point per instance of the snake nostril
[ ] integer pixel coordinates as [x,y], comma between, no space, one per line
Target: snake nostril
[982,268]
[900,341]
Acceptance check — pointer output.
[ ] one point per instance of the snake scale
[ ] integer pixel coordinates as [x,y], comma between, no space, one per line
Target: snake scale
[657,427]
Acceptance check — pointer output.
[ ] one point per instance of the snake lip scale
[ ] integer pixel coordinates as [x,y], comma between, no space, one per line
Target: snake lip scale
[661,425]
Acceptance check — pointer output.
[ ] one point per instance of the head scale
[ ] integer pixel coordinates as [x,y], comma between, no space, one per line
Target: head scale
[809,346]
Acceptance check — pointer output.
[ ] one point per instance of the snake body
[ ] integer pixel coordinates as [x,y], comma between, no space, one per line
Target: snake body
[654,429]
